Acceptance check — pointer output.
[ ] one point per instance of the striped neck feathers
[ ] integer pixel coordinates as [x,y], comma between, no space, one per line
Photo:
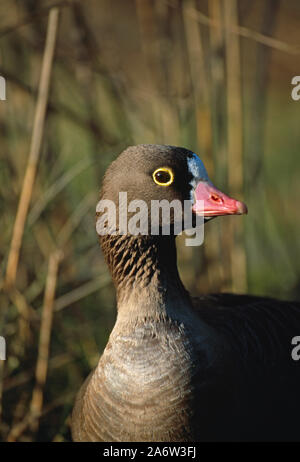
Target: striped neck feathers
[144,272]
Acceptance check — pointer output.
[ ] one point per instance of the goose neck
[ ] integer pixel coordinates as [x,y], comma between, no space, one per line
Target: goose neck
[144,271]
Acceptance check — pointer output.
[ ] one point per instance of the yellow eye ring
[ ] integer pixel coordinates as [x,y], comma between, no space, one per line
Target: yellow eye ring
[167,176]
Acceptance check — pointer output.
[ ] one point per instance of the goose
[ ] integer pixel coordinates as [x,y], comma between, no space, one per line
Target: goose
[178,368]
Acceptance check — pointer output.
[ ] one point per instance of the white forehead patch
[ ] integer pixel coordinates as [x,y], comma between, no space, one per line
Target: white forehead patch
[196,168]
[198,171]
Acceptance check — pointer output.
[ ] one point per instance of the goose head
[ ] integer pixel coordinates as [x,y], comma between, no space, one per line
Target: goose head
[153,173]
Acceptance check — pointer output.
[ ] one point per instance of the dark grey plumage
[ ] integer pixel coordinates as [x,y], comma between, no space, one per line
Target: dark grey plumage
[180,369]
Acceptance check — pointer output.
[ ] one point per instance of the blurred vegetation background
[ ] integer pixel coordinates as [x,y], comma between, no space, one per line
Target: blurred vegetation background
[211,75]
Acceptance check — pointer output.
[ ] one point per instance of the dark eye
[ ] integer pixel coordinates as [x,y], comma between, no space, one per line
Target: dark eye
[163,176]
